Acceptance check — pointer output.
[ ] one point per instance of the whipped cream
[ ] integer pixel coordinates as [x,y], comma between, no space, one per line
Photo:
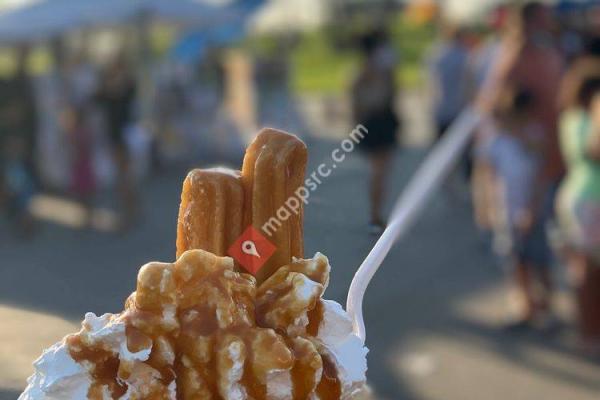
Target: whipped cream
[335,338]
[57,376]
[343,346]
[346,350]
[109,331]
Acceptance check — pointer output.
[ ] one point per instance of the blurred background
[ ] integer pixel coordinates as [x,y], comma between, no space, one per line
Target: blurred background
[106,104]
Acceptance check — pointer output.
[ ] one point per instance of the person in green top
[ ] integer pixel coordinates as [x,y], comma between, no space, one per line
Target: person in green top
[578,202]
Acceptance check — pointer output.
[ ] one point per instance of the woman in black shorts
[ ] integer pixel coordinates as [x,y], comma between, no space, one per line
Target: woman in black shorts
[373,99]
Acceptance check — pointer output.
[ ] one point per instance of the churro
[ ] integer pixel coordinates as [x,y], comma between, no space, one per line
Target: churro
[273,169]
[210,214]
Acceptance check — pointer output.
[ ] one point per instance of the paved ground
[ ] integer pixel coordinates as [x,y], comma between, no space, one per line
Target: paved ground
[433,312]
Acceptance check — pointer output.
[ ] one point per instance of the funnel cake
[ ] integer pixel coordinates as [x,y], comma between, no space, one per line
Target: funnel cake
[200,328]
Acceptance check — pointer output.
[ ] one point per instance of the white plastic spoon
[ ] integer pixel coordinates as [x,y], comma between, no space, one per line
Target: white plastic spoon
[434,169]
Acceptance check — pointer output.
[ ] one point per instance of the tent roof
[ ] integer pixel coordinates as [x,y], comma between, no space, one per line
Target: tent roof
[47,18]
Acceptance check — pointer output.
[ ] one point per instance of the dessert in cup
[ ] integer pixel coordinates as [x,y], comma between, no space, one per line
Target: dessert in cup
[209,326]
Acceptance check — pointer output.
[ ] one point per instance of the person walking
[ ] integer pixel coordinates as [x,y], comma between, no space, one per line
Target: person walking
[578,202]
[529,59]
[450,77]
[514,153]
[83,181]
[116,97]
[373,96]
[449,72]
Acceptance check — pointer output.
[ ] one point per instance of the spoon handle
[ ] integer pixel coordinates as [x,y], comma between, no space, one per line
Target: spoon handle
[430,174]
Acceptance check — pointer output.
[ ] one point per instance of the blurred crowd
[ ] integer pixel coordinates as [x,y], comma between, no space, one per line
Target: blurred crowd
[59,120]
[533,73]
[86,126]
[94,123]
[534,163]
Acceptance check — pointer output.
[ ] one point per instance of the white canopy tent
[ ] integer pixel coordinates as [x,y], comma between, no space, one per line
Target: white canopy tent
[470,10]
[47,18]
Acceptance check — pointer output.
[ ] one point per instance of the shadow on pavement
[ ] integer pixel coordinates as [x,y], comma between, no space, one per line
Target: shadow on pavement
[9,394]
[512,347]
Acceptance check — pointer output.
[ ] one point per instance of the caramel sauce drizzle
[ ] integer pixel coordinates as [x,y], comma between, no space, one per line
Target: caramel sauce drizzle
[214,307]
[330,387]
[104,368]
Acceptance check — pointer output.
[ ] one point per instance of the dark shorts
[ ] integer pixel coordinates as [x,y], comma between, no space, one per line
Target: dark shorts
[381,132]
[466,163]
[534,247]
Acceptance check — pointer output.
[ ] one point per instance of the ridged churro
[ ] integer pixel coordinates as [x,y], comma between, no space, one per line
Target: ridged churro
[273,169]
[211,211]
